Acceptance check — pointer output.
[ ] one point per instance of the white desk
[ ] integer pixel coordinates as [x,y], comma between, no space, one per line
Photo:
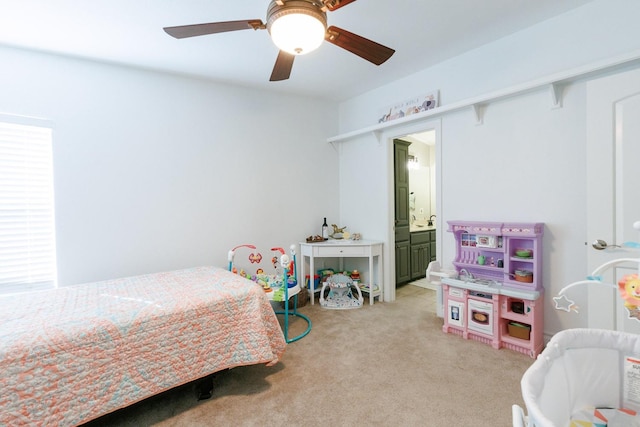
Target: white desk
[343,249]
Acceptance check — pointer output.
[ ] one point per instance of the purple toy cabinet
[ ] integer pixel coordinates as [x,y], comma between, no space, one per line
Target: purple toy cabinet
[497,296]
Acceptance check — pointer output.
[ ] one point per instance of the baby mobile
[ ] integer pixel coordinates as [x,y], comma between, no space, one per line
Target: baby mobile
[628,286]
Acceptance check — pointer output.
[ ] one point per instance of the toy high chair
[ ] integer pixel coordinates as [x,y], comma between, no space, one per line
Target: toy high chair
[277,287]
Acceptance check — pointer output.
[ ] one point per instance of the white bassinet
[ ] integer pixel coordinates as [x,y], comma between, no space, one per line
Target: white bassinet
[580,372]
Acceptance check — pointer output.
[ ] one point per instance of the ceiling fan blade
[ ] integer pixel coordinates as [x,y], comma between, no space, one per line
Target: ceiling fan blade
[337,4]
[283,66]
[364,48]
[184,31]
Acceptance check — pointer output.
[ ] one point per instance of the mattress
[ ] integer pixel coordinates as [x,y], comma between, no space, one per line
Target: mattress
[75,353]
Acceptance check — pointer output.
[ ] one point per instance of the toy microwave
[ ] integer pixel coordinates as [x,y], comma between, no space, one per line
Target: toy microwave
[487,241]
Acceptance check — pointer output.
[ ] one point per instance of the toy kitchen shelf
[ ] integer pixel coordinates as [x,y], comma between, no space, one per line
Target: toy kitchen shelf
[497,296]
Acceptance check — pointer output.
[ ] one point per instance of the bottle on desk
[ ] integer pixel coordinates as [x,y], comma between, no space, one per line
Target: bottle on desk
[325,230]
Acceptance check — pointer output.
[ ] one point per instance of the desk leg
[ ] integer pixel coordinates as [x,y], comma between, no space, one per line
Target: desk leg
[312,289]
[371,297]
[301,277]
[380,278]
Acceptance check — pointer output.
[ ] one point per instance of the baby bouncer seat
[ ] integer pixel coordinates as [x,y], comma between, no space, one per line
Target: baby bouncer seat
[341,295]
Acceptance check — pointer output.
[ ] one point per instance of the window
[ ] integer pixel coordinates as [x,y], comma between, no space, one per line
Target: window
[27,231]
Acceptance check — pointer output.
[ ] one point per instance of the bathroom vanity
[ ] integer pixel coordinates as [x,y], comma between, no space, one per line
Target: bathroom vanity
[422,249]
[497,296]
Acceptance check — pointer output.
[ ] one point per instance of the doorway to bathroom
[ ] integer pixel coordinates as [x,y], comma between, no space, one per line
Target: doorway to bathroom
[421,166]
[415,208]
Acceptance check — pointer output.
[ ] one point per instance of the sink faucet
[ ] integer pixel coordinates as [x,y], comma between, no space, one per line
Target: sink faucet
[465,275]
[413,219]
[431,220]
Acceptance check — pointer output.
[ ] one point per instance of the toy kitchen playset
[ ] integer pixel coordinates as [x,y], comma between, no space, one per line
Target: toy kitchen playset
[496,295]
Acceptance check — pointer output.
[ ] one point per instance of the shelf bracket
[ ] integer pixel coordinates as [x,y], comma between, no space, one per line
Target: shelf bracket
[555,90]
[378,135]
[477,113]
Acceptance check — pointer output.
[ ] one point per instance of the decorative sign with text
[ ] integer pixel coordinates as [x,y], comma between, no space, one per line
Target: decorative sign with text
[415,105]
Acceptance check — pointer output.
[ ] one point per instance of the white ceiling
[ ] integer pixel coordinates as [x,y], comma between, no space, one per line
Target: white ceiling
[423,32]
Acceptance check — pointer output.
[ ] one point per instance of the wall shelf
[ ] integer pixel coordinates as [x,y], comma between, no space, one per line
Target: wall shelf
[555,82]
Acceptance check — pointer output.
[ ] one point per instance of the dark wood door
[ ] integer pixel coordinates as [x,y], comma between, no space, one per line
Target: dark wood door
[401,192]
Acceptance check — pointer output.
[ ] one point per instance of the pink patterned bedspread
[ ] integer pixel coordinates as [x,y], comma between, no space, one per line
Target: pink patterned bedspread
[72,354]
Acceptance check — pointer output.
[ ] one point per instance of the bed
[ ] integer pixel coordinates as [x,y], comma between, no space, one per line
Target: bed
[584,377]
[73,354]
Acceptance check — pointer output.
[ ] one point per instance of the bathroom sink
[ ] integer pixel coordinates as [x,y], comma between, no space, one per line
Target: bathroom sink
[423,225]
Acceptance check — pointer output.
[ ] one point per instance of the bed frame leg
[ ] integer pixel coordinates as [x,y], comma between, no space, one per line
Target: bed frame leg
[205,388]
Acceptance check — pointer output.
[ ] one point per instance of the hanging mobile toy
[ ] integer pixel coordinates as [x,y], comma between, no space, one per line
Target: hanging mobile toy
[257,258]
[628,287]
[285,262]
[232,253]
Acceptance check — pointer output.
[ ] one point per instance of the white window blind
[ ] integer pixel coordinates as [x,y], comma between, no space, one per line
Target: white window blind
[27,231]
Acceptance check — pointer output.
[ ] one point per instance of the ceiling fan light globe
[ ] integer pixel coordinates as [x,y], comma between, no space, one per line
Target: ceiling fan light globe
[297,33]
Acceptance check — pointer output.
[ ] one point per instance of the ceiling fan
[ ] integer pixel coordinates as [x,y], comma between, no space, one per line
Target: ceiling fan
[296,27]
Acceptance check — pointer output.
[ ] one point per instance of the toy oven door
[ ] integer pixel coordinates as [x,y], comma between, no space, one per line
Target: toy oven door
[480,316]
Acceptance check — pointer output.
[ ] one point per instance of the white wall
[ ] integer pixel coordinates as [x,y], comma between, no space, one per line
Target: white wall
[596,31]
[155,172]
[527,161]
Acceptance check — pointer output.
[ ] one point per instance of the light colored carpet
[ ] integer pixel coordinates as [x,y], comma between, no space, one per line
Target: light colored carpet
[423,283]
[388,364]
